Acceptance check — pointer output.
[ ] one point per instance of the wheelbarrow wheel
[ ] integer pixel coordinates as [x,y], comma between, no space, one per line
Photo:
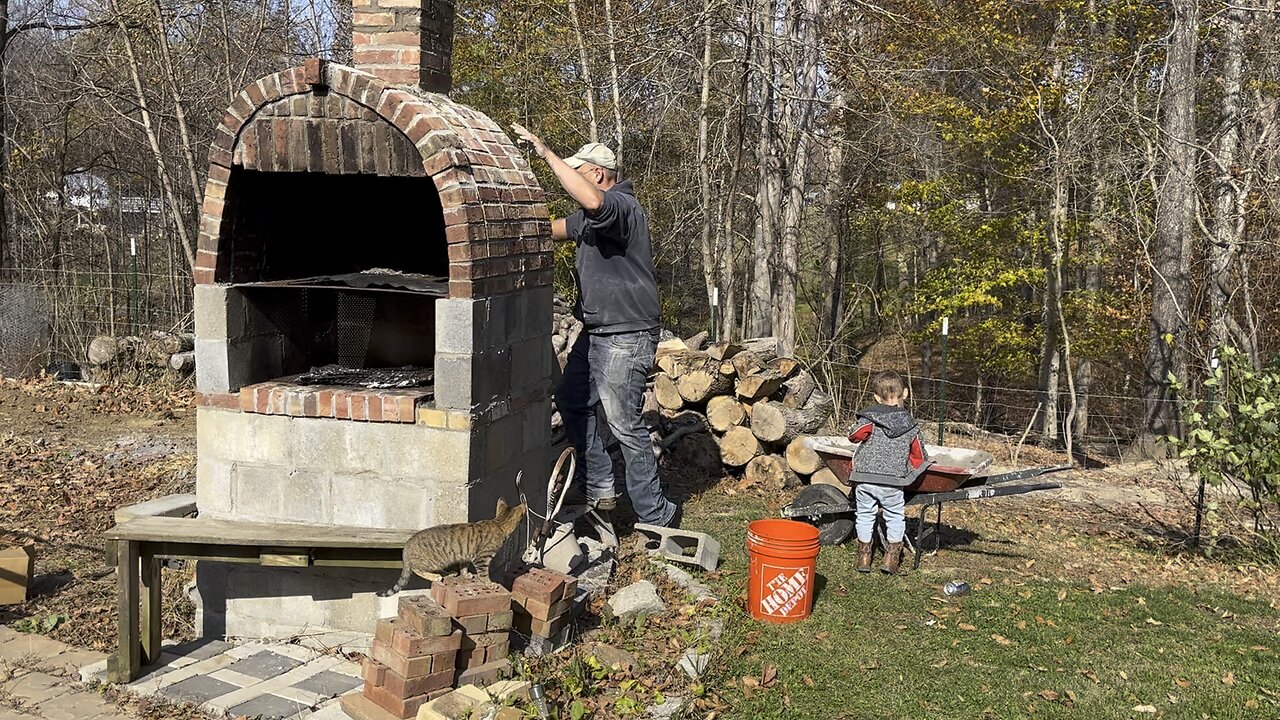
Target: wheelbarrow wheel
[833,528]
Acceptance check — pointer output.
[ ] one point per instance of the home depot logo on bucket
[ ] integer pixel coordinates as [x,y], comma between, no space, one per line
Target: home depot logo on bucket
[785,589]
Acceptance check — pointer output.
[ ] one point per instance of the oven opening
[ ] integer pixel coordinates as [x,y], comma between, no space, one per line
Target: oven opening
[340,274]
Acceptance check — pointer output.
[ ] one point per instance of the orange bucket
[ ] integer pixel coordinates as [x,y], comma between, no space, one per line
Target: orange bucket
[784,556]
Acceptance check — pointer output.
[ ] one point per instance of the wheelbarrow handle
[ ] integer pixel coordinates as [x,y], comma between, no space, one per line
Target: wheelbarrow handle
[555,492]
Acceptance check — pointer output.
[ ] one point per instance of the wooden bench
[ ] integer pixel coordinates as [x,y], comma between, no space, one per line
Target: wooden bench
[136,547]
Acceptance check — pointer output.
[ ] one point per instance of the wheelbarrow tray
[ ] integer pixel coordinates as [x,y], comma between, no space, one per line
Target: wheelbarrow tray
[952,467]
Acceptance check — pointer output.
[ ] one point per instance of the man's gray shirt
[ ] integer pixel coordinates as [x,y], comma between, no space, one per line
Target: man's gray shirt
[617,285]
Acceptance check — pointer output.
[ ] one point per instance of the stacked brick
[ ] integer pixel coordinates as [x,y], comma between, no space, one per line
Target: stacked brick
[413,658]
[481,613]
[543,604]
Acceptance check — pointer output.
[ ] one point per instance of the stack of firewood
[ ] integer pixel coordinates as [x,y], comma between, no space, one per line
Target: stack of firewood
[110,356]
[758,406]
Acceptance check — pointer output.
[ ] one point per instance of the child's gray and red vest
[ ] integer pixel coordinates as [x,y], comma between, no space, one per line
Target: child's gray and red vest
[890,452]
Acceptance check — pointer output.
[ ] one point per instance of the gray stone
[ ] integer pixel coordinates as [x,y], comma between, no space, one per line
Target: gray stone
[669,708]
[614,656]
[329,683]
[329,711]
[68,664]
[637,599]
[269,707]
[694,663]
[211,366]
[682,578]
[197,689]
[179,505]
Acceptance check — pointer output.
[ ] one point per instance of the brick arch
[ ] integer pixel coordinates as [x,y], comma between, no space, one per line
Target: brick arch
[495,213]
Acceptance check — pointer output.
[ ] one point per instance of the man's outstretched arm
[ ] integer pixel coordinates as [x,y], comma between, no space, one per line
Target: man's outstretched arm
[590,197]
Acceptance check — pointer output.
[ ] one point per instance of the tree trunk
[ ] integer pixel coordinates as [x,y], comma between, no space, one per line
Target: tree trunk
[709,259]
[1170,251]
[1228,211]
[153,139]
[179,107]
[6,262]
[831,287]
[803,42]
[589,91]
[613,74]
[768,192]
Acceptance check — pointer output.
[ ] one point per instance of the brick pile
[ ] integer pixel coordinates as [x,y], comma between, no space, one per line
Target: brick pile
[544,604]
[413,658]
[481,611]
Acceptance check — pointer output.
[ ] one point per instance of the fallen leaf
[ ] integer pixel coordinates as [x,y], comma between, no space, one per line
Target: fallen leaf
[808,681]
[1025,595]
[1145,709]
[1022,625]
[940,664]
[1001,640]
[1049,695]
[1069,639]
[1153,621]
[1062,595]
[822,636]
[1182,682]
[966,627]
[1251,704]
[1229,678]
[1124,675]
[769,674]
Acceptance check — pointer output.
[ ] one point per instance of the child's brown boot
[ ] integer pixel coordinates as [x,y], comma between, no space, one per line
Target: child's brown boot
[892,557]
[864,557]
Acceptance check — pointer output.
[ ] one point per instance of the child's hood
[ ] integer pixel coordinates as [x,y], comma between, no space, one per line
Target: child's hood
[894,421]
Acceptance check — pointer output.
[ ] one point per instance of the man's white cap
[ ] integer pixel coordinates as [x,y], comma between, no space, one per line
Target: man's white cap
[594,153]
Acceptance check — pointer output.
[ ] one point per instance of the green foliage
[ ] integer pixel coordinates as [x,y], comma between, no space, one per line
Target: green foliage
[1234,441]
[41,626]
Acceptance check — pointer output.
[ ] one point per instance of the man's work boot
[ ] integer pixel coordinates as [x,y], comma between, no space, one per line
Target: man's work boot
[864,557]
[892,557]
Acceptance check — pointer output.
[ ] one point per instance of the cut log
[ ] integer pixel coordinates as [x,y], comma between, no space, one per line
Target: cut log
[802,458]
[103,350]
[799,388]
[727,368]
[666,347]
[826,477]
[665,390]
[697,341]
[738,446]
[784,366]
[724,350]
[772,421]
[725,412]
[747,363]
[183,362]
[697,383]
[678,363]
[767,346]
[770,471]
[759,385]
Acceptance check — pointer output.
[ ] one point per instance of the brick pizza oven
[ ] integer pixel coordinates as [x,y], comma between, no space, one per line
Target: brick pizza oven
[373,307]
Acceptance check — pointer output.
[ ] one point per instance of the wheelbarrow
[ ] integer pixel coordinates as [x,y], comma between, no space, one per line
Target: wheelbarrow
[954,475]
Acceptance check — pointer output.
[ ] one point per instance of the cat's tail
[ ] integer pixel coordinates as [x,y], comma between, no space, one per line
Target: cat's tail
[404,580]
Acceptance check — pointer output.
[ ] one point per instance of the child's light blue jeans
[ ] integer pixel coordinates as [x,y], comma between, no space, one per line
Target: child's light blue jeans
[889,500]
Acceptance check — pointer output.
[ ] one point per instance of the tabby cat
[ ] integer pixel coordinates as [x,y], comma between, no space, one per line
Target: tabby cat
[437,549]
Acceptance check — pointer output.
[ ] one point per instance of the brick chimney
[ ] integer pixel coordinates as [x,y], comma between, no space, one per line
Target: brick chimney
[405,42]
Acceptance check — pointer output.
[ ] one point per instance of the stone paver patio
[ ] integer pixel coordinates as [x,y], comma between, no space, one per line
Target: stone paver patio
[43,679]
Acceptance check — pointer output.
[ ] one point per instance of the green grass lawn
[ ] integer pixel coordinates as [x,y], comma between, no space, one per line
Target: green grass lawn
[1018,646]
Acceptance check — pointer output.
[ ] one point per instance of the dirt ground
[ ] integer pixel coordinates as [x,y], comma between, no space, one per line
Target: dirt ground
[70,455]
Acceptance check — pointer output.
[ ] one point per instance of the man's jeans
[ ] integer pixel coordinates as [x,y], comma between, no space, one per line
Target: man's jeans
[607,373]
[890,500]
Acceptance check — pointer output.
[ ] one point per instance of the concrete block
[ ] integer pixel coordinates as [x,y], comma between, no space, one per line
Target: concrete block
[682,546]
[454,380]
[535,426]
[458,322]
[528,364]
[272,493]
[209,304]
[539,307]
[212,370]
[179,505]
[213,487]
[321,443]
[380,502]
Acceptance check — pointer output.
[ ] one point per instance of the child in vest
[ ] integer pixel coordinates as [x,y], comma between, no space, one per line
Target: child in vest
[890,457]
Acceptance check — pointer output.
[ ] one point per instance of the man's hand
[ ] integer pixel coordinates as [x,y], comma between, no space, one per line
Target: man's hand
[523,134]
